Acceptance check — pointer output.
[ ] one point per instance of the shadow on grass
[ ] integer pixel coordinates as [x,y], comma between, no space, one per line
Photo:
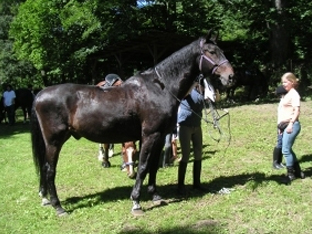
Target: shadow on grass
[201,227]
[169,192]
[169,195]
[7,131]
[307,158]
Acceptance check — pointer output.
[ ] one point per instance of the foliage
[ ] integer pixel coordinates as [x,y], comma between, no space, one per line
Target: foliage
[13,71]
[59,37]
[98,199]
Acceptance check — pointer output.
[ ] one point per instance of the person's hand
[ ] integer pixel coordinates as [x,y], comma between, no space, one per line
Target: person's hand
[289,127]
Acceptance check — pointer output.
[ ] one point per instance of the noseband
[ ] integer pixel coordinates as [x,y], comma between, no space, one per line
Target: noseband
[203,56]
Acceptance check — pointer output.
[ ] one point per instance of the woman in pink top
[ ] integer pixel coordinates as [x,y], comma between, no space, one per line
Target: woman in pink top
[289,111]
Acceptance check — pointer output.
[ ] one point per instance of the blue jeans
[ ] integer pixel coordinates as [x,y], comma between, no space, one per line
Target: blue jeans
[288,142]
[188,135]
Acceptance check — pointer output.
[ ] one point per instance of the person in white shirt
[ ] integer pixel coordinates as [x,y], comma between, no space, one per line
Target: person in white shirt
[288,122]
[9,104]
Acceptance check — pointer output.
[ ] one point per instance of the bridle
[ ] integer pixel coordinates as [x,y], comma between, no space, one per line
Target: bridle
[214,113]
[203,56]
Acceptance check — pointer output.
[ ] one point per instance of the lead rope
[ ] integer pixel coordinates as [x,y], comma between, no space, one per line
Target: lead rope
[214,113]
[215,119]
[216,122]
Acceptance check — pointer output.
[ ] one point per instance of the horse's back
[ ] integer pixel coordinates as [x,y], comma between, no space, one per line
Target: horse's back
[88,111]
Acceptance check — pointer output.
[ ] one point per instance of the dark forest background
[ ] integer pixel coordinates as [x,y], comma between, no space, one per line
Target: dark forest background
[57,41]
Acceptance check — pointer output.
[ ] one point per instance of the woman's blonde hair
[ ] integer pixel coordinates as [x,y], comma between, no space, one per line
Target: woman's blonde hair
[292,78]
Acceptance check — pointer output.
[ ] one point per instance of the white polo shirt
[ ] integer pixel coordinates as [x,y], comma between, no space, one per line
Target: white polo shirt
[9,97]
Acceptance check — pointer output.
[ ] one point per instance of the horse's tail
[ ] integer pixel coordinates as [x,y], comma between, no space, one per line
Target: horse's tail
[38,145]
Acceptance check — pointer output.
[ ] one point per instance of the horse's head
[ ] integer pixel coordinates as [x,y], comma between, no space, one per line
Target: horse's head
[213,62]
[129,153]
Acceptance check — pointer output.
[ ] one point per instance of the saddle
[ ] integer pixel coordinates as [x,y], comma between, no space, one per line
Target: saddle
[110,80]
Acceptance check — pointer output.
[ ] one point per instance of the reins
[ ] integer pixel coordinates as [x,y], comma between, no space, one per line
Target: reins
[215,115]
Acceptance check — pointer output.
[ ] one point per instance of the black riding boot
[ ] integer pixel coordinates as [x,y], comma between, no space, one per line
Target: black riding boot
[290,174]
[181,178]
[298,172]
[196,175]
[277,158]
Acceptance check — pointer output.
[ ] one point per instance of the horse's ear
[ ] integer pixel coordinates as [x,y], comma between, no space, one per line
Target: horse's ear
[209,33]
[212,37]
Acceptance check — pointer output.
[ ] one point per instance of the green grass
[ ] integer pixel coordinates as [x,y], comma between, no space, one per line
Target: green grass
[98,199]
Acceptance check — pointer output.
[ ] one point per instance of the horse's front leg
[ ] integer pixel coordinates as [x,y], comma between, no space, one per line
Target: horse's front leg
[101,152]
[136,191]
[149,154]
[155,159]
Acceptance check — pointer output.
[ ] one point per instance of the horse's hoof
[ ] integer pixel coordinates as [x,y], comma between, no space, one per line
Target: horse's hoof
[158,201]
[132,176]
[106,164]
[61,212]
[156,198]
[137,212]
[45,202]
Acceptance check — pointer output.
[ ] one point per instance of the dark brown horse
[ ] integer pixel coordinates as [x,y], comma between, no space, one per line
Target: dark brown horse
[24,100]
[143,108]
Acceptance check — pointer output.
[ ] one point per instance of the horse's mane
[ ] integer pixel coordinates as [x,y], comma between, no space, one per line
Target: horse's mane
[167,62]
[183,52]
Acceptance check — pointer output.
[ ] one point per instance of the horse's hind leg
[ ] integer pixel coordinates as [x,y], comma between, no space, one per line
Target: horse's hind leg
[106,162]
[28,112]
[24,114]
[52,158]
[43,189]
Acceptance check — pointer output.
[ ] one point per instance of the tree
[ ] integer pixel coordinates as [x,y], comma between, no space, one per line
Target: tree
[58,37]
[13,71]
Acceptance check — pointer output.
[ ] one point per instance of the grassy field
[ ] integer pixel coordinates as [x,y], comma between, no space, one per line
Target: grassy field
[98,199]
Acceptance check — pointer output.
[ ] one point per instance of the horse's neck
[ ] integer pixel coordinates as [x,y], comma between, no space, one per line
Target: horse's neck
[183,59]
[179,70]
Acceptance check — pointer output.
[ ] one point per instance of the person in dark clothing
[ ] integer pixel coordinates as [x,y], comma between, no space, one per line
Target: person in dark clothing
[189,120]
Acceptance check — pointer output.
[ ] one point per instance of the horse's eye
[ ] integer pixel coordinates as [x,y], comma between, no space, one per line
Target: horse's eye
[210,51]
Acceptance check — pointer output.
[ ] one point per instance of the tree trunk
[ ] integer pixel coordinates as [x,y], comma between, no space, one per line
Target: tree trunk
[280,40]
